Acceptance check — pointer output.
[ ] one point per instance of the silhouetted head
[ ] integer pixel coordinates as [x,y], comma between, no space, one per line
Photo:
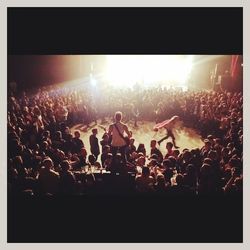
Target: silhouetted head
[77,134]
[153,143]
[48,163]
[65,165]
[91,159]
[118,116]
[94,131]
[169,145]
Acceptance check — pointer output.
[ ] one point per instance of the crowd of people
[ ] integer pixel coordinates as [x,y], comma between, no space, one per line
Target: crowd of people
[46,158]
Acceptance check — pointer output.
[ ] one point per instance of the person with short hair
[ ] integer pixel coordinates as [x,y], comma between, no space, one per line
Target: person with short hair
[161,186]
[131,147]
[105,141]
[106,151]
[140,163]
[156,151]
[82,155]
[108,161]
[117,130]
[94,144]
[168,170]
[77,143]
[144,182]
[92,164]
[169,147]
[67,179]
[48,179]
[58,142]
[180,188]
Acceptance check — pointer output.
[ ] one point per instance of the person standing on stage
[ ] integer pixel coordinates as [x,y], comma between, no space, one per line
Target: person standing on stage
[94,144]
[117,131]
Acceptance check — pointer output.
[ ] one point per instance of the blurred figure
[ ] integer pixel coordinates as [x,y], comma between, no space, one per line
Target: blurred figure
[94,143]
[48,179]
[155,150]
[144,182]
[169,125]
[67,179]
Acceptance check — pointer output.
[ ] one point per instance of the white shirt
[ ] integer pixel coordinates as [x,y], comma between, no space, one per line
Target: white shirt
[117,140]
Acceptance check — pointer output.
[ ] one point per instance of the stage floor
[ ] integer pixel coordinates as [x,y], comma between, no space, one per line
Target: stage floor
[185,137]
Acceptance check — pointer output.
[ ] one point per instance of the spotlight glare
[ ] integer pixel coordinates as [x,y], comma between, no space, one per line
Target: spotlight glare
[126,70]
[92,81]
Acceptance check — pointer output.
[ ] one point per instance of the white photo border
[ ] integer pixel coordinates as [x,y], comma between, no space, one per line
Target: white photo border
[4,4]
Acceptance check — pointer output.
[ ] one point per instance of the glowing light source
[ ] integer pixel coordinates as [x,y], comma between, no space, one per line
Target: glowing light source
[92,80]
[126,70]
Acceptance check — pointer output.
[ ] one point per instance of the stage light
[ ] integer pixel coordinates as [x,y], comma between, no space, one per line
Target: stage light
[123,70]
[169,70]
[92,80]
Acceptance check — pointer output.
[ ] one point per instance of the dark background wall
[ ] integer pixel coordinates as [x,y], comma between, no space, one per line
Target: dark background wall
[33,70]
[203,65]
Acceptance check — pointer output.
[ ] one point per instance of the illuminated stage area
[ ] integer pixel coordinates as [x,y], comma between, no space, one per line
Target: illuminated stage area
[165,70]
[185,137]
[184,72]
[143,97]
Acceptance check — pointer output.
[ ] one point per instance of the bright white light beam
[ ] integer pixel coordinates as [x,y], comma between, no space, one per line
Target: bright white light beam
[126,70]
